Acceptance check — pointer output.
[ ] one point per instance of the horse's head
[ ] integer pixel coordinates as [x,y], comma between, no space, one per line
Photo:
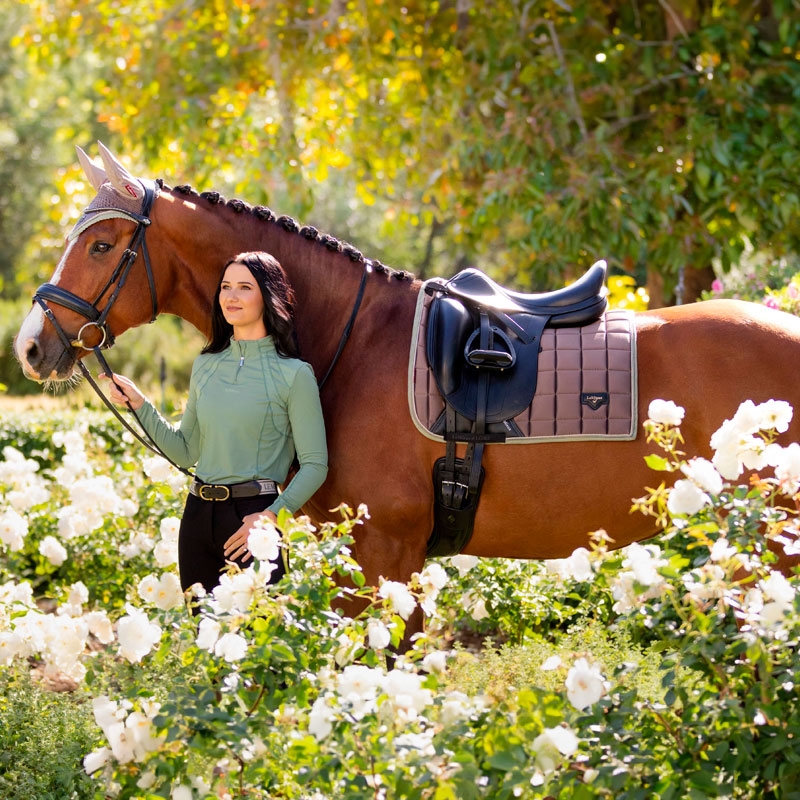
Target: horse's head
[105,258]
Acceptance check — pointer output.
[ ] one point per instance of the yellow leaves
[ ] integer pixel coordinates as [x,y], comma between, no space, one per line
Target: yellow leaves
[271,127]
[229,103]
[318,158]
[336,39]
[320,172]
[342,62]
[112,121]
[338,159]
[324,161]
[365,194]
[623,293]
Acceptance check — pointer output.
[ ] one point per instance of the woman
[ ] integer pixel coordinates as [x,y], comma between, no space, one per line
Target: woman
[252,405]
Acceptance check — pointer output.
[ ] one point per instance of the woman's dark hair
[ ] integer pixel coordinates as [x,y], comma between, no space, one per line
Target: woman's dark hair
[278,298]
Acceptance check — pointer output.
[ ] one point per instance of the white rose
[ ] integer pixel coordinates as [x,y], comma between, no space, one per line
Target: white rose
[53,550]
[400,598]
[686,498]
[137,635]
[665,412]
[585,684]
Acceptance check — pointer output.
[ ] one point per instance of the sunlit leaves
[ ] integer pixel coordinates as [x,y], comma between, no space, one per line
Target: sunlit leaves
[530,138]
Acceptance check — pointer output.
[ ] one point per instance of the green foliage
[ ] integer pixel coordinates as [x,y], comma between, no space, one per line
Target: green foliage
[531,139]
[500,670]
[664,669]
[42,114]
[11,315]
[43,739]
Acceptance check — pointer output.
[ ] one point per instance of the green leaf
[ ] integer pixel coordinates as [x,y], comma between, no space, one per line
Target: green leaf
[657,463]
[703,172]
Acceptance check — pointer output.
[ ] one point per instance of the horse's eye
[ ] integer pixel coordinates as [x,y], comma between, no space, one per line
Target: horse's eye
[100,248]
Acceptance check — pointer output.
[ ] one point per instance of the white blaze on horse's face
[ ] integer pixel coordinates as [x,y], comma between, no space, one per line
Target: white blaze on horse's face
[27,347]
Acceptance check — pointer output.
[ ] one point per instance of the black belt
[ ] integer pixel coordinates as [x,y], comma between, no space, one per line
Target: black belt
[222,491]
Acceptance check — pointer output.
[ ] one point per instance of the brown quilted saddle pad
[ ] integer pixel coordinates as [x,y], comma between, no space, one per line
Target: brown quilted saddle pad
[586,389]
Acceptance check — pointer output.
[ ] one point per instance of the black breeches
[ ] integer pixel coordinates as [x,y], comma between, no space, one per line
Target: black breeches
[205,527]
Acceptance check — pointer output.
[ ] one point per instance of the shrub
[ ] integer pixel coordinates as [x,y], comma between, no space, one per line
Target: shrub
[663,670]
[44,737]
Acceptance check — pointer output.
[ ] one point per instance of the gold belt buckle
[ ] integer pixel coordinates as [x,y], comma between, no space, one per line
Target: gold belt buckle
[216,492]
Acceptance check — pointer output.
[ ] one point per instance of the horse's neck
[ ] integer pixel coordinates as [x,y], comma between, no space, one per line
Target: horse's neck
[202,237]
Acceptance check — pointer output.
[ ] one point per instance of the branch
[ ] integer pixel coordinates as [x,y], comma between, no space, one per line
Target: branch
[676,18]
[571,94]
[662,79]
[614,128]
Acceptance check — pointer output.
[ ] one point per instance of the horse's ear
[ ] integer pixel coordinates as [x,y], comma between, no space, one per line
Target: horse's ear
[122,181]
[95,174]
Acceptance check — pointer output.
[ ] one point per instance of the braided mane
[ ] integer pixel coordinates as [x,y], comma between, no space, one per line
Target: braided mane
[292,226]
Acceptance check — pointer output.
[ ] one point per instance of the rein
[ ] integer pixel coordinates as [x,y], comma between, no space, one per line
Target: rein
[349,326]
[99,318]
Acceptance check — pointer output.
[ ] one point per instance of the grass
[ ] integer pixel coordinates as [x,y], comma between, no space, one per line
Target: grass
[44,736]
[498,671]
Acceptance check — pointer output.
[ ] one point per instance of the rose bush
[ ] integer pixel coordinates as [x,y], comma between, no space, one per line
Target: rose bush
[665,669]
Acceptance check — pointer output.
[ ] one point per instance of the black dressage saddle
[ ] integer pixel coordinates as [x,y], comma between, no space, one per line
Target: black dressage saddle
[483,350]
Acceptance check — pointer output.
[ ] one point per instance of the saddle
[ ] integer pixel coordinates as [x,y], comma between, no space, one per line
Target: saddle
[483,350]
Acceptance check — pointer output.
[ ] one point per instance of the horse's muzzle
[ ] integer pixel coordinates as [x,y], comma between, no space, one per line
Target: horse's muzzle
[43,360]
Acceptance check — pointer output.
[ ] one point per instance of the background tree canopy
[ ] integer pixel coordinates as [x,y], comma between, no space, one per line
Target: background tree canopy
[529,138]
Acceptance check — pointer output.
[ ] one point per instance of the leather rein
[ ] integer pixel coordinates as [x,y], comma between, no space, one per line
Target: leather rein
[98,319]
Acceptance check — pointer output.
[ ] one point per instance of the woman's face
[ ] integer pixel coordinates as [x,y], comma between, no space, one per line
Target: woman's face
[241,301]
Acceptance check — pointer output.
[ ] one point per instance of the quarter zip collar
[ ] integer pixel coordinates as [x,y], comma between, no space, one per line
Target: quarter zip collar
[241,359]
[245,349]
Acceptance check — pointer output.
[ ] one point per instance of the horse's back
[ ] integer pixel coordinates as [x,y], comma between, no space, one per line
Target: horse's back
[725,313]
[730,349]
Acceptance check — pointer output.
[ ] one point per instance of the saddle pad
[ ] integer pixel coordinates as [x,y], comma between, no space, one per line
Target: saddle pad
[587,385]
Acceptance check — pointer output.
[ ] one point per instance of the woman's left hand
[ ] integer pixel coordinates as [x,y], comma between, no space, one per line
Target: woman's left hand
[236,546]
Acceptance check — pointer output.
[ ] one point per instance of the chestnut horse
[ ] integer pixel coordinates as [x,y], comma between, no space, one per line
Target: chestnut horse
[539,501]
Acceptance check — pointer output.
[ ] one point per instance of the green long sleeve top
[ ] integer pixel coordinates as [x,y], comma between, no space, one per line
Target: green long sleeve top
[249,410]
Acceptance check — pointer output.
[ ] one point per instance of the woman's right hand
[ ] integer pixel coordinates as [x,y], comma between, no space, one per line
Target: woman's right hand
[123,391]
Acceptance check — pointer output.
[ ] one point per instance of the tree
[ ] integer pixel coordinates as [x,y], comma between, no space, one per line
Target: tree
[528,137]
[42,112]
[24,138]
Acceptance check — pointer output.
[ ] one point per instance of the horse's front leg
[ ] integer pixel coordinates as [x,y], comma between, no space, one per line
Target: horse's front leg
[388,556]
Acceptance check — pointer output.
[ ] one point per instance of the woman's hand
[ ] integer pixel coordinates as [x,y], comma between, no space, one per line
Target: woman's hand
[236,546]
[123,391]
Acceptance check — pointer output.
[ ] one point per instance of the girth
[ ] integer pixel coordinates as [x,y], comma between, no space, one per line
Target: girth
[483,350]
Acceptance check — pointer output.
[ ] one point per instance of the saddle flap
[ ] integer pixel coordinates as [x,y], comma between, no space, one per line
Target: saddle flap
[451,328]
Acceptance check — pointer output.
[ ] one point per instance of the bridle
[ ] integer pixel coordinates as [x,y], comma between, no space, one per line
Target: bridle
[98,318]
